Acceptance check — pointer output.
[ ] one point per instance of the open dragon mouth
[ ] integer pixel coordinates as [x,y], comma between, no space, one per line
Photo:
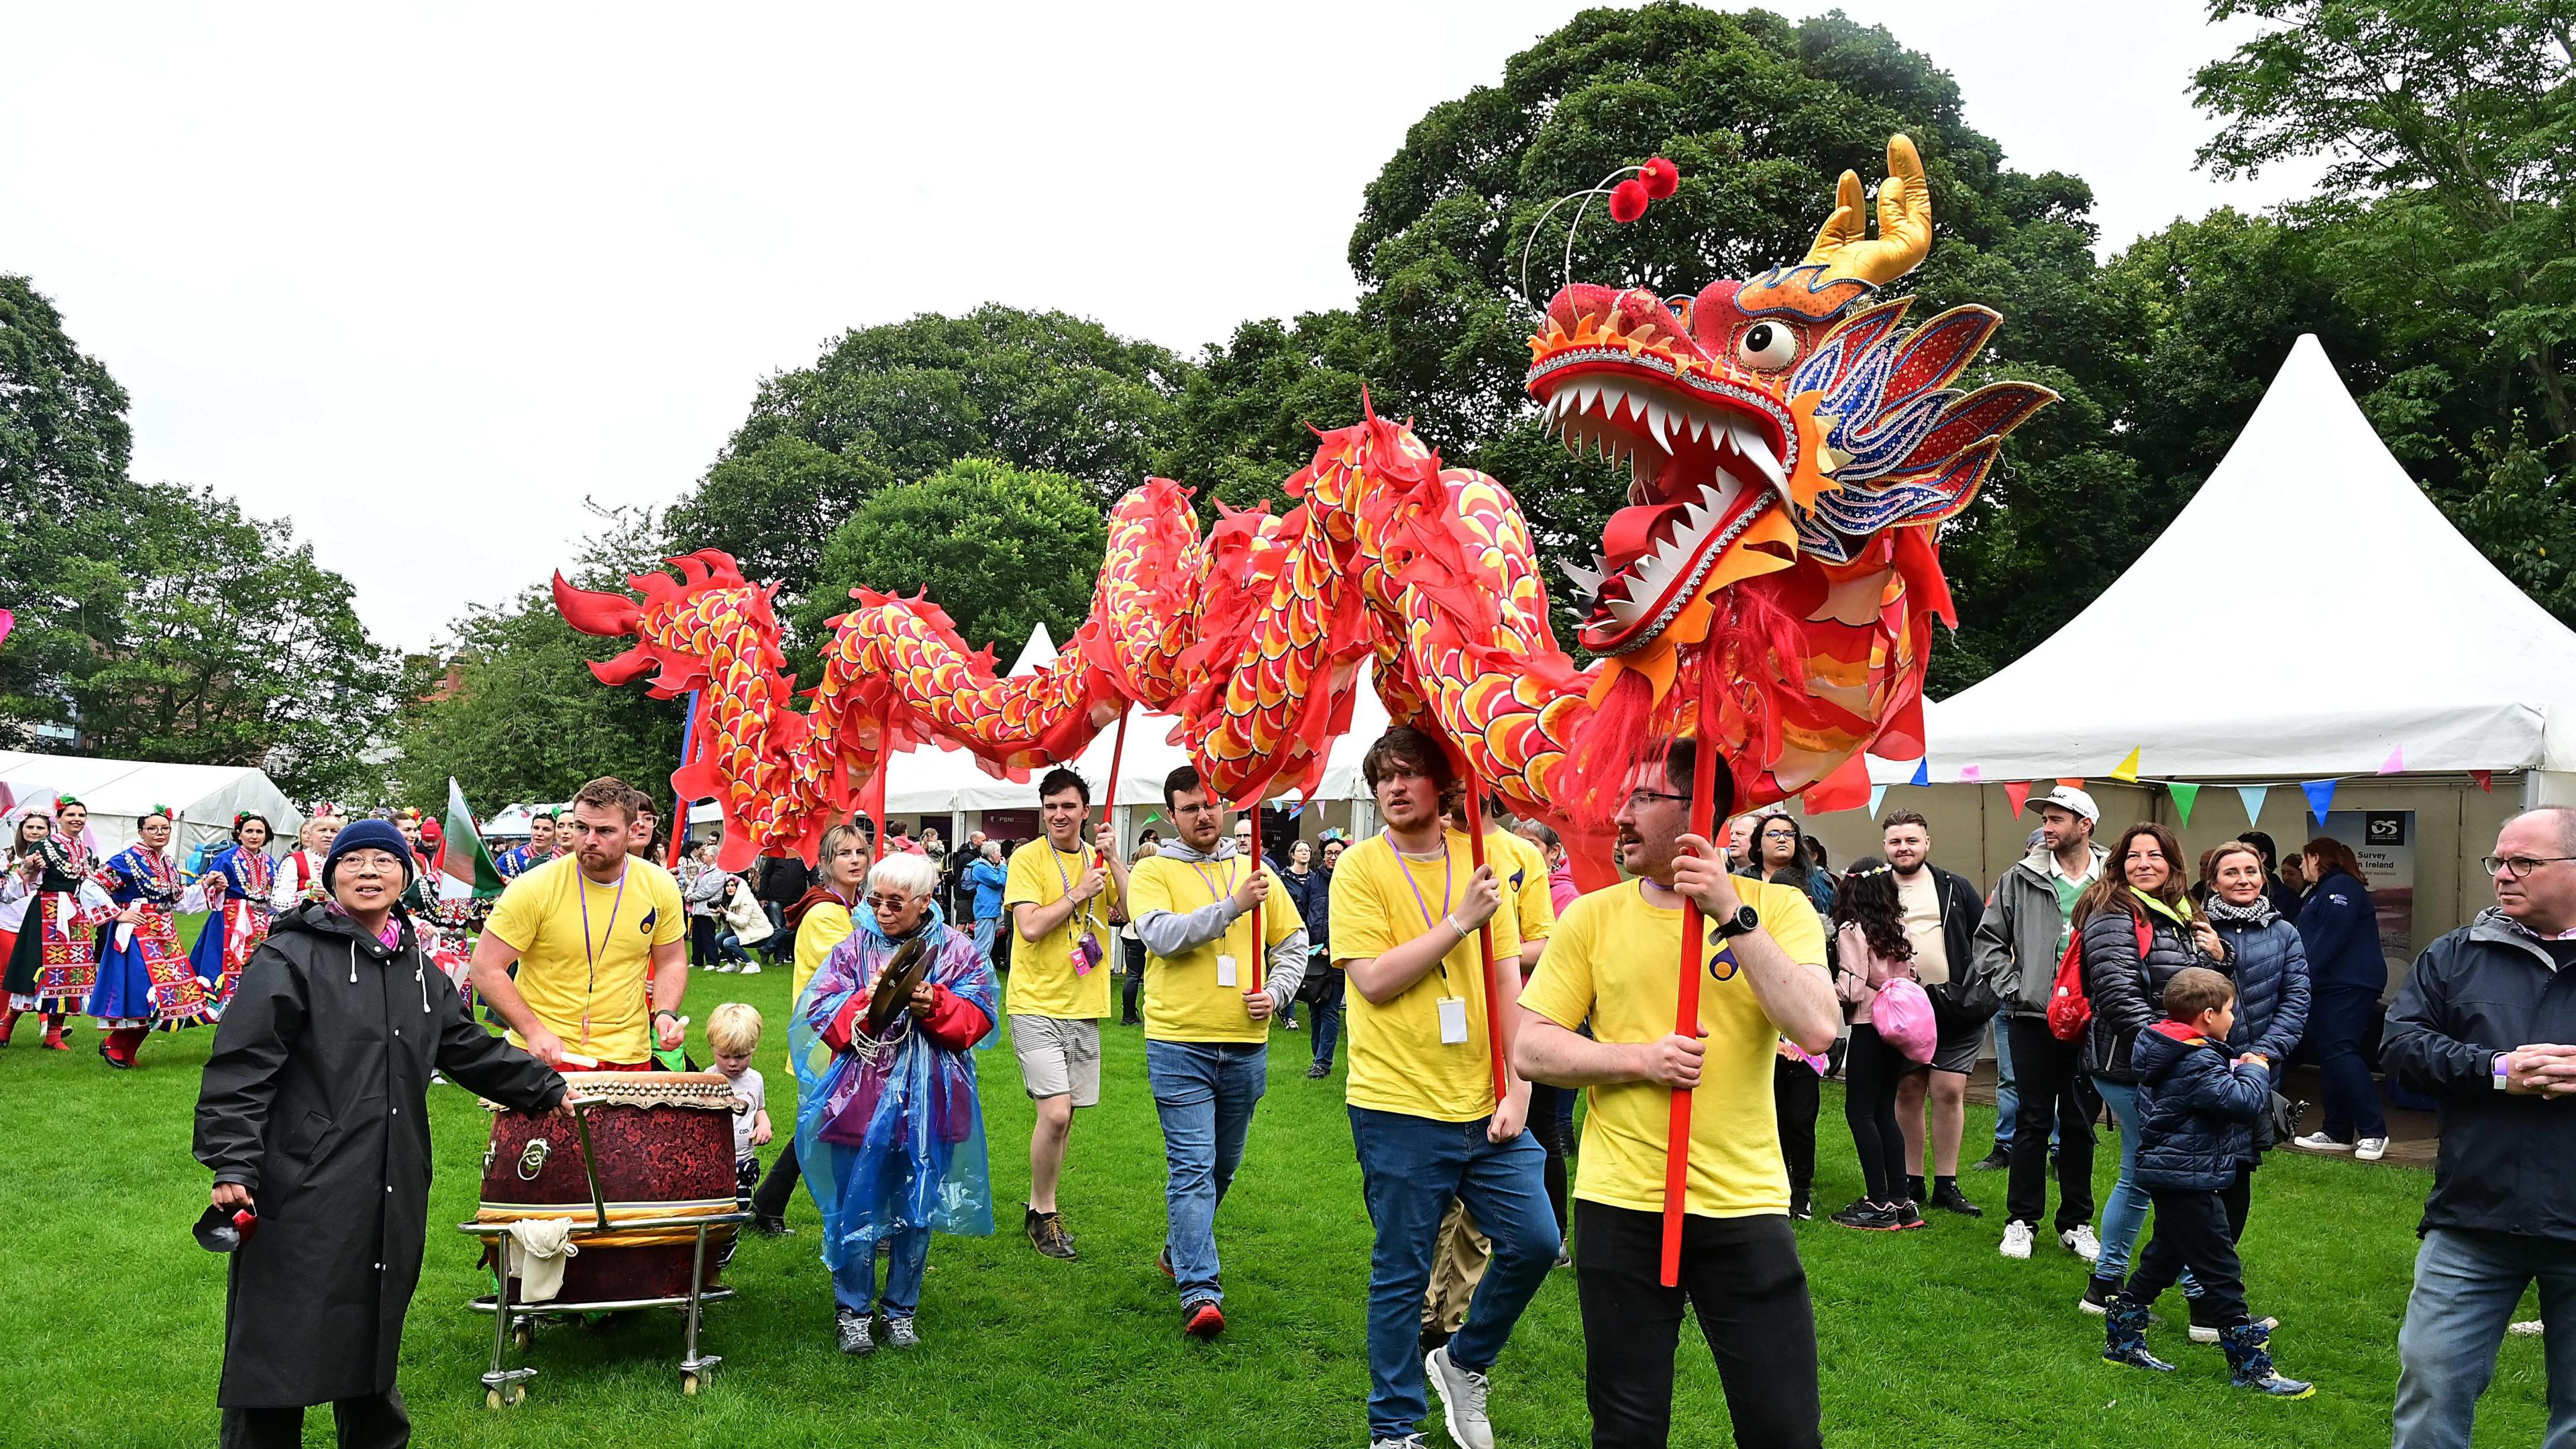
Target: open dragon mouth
[1705,456]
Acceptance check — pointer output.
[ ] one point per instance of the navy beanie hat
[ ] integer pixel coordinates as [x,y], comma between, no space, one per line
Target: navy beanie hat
[368,835]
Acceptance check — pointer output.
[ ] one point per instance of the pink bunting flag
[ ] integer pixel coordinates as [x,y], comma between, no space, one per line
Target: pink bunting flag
[2395,764]
[1972,773]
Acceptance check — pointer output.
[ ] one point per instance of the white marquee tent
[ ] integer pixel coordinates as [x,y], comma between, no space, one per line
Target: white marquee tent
[2370,627]
[116,791]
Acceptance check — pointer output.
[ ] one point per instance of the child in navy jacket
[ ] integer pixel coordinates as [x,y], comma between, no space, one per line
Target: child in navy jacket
[2196,1115]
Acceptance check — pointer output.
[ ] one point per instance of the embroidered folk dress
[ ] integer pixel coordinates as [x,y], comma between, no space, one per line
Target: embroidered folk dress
[144,980]
[240,920]
[55,962]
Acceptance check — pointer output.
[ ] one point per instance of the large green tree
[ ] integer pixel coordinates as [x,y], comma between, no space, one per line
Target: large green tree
[1002,549]
[511,709]
[896,403]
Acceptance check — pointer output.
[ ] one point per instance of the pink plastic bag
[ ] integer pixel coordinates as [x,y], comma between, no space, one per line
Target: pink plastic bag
[1903,1016]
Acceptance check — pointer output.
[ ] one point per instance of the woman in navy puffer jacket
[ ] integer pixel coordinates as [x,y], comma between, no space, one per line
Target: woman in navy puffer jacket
[2270,966]
[2339,925]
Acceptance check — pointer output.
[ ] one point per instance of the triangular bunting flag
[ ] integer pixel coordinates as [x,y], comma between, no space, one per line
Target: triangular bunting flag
[1972,773]
[2184,796]
[2127,770]
[1847,788]
[2320,797]
[2395,764]
[2485,779]
[1922,772]
[1877,794]
[466,860]
[2253,795]
[2018,792]
[2075,783]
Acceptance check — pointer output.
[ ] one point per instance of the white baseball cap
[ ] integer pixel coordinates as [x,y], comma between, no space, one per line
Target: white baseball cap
[2067,797]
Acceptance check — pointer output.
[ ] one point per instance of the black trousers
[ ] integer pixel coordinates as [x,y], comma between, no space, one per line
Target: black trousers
[702,940]
[1871,1073]
[1743,1277]
[770,1199]
[375,1422]
[2046,1071]
[1130,997]
[2192,1231]
[1796,1095]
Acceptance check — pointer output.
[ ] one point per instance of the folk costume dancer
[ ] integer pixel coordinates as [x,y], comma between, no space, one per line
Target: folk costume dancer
[887,1123]
[527,855]
[1065,899]
[299,875]
[242,917]
[338,1020]
[145,982]
[21,867]
[53,963]
[600,943]
[1207,1025]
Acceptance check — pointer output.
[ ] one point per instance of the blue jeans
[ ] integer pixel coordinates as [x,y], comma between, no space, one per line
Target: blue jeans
[1204,1092]
[2124,1212]
[1410,1167]
[2007,1100]
[2466,1286]
[854,1283]
[1327,1015]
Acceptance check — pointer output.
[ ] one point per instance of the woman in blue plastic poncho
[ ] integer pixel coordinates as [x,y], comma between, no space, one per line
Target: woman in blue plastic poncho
[886,1122]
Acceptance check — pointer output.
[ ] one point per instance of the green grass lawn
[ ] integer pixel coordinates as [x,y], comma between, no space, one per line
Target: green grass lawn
[112,1317]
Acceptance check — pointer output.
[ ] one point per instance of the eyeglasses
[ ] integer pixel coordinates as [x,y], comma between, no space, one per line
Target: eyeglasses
[1637,799]
[2518,866]
[891,903]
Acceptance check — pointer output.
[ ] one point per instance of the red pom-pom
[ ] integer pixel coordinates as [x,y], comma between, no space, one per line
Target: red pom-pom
[1627,201]
[1661,177]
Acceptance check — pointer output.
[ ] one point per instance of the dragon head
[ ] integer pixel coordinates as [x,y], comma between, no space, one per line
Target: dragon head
[1766,419]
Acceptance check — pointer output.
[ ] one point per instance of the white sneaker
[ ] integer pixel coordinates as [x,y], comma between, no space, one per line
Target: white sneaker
[2080,1241]
[1462,1400]
[2017,1240]
[723,969]
[751,968]
[2370,1149]
[2320,1142]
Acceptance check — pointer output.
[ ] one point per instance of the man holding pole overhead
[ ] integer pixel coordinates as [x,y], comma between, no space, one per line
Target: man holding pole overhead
[1612,960]
[1408,905]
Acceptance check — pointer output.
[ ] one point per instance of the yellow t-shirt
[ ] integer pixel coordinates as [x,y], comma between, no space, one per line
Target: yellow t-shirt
[1398,1062]
[1522,869]
[1043,982]
[825,925]
[1182,1000]
[1615,959]
[596,995]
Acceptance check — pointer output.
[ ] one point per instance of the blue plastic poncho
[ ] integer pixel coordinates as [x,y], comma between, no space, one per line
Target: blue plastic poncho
[892,1139]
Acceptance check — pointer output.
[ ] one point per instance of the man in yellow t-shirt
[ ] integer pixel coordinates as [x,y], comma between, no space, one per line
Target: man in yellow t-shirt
[1064,899]
[1408,907]
[1614,960]
[1207,1026]
[600,940]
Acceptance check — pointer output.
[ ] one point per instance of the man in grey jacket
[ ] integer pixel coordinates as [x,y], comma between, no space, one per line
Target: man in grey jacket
[2027,922]
[1208,1008]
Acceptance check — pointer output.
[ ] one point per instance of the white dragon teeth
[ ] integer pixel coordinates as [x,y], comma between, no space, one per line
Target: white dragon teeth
[1757,452]
[1586,581]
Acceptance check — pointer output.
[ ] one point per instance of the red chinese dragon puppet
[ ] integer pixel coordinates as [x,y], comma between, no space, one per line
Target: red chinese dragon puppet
[1772,582]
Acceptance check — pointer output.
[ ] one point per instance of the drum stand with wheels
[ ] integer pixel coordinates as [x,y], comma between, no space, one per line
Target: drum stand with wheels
[514,1324]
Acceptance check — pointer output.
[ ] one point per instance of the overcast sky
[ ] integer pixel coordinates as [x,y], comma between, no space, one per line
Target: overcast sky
[422,277]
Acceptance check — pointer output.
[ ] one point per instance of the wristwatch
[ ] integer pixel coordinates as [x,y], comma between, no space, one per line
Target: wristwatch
[2504,1071]
[1743,923]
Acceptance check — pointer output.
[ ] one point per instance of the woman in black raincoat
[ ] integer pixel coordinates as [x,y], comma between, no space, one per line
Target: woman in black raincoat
[314,1113]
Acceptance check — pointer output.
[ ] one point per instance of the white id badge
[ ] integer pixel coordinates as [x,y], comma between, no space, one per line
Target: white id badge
[1225,971]
[1453,1021]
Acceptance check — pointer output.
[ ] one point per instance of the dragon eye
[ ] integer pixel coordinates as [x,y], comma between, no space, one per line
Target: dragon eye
[1767,347]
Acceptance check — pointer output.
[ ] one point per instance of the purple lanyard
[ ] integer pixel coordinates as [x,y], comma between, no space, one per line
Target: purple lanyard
[1066,885]
[1214,895]
[1448,866]
[582,884]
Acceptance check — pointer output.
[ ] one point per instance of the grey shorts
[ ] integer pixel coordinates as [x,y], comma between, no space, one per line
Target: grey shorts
[1058,1057]
[1956,1051]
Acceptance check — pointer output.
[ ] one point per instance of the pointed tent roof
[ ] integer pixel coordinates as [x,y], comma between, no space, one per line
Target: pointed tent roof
[2373,626]
[1036,654]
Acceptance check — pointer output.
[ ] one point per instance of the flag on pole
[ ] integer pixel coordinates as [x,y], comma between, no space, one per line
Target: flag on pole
[466,862]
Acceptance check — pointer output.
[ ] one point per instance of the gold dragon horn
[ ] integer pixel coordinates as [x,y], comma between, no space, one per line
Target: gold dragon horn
[1843,246]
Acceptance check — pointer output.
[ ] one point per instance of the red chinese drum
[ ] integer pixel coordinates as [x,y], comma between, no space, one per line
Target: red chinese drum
[662,1145]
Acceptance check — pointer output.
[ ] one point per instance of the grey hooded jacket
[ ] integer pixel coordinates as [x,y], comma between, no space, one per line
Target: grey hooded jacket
[1169,933]
[2017,942]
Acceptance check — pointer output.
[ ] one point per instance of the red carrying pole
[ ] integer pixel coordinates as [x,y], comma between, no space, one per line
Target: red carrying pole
[1259,953]
[1117,749]
[1485,932]
[1677,1134]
